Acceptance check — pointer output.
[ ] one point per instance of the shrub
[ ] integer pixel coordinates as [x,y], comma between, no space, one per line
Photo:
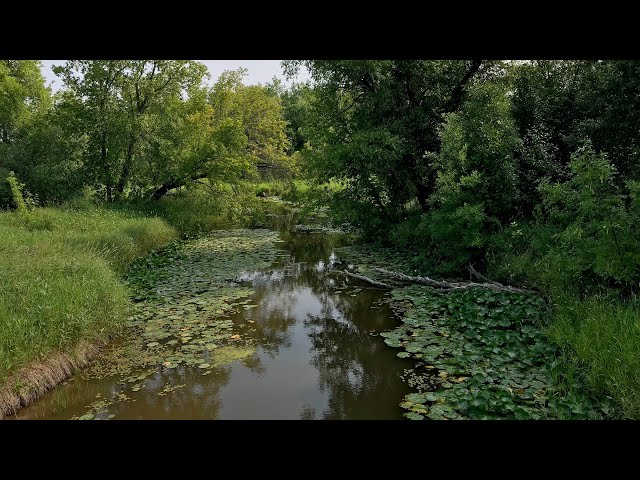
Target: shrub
[597,223]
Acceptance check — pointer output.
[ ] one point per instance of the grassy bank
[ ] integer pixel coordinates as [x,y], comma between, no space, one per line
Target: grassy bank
[601,338]
[60,282]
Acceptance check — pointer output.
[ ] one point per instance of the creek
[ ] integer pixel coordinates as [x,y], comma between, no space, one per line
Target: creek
[311,348]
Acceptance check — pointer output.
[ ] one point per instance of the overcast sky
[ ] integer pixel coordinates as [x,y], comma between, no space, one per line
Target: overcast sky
[259,71]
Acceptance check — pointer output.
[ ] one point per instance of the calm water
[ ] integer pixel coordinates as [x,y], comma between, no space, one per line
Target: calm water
[318,356]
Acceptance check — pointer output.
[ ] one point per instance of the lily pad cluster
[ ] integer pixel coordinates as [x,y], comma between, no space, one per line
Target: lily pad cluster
[185,299]
[481,354]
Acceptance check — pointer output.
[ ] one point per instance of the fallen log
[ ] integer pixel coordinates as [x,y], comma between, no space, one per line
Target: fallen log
[508,288]
[362,277]
[452,285]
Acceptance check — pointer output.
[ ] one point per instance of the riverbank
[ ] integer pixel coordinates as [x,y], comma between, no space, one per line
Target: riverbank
[242,324]
[61,295]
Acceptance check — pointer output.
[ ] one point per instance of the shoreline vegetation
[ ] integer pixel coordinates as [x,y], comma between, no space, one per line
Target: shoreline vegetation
[525,172]
[63,294]
[62,291]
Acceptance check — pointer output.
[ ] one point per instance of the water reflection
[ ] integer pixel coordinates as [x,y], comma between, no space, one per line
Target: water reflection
[355,374]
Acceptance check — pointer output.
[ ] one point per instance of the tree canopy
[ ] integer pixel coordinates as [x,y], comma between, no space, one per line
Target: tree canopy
[135,128]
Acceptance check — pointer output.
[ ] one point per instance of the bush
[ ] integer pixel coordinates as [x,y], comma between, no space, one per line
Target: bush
[467,208]
[582,252]
[598,224]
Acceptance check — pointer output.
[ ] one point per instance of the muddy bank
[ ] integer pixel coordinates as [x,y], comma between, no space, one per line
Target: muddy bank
[34,380]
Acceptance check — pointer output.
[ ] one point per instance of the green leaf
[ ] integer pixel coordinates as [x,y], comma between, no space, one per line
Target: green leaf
[413,416]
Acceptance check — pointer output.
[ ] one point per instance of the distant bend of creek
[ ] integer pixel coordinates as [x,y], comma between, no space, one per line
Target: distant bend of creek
[313,351]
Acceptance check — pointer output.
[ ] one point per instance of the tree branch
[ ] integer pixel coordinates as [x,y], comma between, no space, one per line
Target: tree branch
[453,285]
[458,91]
[362,277]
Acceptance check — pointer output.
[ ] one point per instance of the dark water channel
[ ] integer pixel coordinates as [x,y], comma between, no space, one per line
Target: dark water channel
[318,354]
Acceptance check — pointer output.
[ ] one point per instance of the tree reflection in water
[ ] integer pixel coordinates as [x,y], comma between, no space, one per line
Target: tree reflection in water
[357,373]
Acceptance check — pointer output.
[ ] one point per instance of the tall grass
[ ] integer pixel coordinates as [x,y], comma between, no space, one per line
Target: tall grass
[602,336]
[290,190]
[60,267]
[597,328]
[59,279]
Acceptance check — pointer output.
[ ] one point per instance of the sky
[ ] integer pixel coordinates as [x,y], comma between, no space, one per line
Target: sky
[259,71]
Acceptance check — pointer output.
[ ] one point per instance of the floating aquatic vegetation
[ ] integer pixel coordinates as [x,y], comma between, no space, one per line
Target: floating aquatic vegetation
[478,353]
[184,300]
[481,354]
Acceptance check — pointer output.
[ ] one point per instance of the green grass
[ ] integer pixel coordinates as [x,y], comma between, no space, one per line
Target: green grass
[598,330]
[291,190]
[601,334]
[61,268]
[60,276]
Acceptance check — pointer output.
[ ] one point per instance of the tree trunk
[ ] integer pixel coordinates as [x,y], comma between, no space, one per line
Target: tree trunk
[457,95]
[164,189]
[423,196]
[109,192]
[126,168]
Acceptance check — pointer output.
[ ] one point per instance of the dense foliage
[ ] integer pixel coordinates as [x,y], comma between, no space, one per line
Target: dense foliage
[125,129]
[526,170]
[529,171]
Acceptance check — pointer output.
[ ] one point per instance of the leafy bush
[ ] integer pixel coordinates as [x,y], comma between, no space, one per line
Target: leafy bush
[476,155]
[598,223]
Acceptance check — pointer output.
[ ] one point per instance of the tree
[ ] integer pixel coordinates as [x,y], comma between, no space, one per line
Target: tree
[23,96]
[296,105]
[119,99]
[259,112]
[196,141]
[560,106]
[375,124]
[22,93]
[477,188]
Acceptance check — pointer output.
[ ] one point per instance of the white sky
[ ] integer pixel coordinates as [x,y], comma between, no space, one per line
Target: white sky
[259,71]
